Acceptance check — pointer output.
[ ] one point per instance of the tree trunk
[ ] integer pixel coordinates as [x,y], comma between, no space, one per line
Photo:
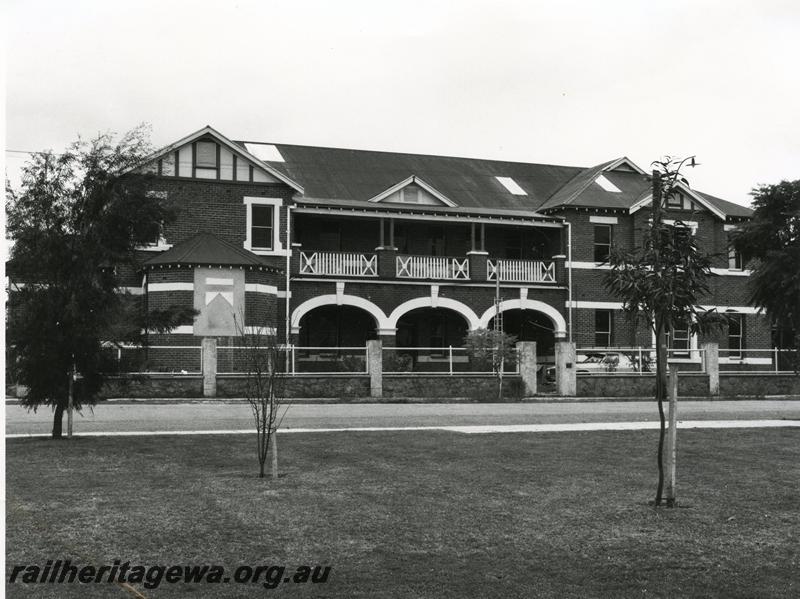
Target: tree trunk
[58,415]
[661,387]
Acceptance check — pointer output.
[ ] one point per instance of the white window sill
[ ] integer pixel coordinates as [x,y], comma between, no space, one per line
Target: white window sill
[264,252]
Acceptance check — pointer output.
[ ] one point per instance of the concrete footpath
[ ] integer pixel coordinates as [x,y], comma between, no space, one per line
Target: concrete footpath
[225,417]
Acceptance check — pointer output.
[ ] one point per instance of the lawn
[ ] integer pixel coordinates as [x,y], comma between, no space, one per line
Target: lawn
[418,514]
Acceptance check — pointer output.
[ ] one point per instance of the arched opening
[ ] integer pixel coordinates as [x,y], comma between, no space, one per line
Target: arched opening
[336,326]
[531,325]
[431,327]
[435,329]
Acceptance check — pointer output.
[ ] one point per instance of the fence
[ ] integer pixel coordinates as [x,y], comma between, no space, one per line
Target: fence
[294,359]
[779,361]
[440,360]
[175,359]
[635,360]
[232,359]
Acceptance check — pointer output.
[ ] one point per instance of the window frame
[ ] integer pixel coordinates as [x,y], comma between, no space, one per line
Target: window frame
[277,248]
[737,352]
[680,353]
[609,334]
[160,244]
[596,244]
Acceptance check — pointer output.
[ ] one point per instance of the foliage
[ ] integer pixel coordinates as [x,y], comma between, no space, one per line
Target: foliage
[661,282]
[264,358]
[394,361]
[772,240]
[493,348]
[75,224]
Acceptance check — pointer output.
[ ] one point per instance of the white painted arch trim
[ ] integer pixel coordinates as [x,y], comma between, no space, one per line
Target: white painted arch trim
[381,321]
[437,302]
[528,304]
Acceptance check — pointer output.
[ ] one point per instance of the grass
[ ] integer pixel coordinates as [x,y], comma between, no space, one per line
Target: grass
[419,514]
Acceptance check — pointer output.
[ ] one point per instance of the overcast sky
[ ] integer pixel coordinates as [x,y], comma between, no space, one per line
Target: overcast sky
[566,82]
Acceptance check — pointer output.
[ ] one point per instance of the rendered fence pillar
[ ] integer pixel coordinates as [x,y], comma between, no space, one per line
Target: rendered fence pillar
[566,383]
[526,350]
[209,367]
[711,358]
[375,367]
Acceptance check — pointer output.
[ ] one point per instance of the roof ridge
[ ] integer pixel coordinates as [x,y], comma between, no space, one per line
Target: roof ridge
[278,144]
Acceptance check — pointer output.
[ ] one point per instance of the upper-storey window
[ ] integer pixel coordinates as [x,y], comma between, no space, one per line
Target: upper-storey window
[735,259]
[675,200]
[262,226]
[602,242]
[154,238]
[205,159]
[263,232]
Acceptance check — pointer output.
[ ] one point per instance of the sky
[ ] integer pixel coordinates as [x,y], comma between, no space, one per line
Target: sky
[568,82]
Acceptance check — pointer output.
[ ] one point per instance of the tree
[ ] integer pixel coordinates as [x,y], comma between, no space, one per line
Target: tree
[772,240]
[493,348]
[660,284]
[262,356]
[75,224]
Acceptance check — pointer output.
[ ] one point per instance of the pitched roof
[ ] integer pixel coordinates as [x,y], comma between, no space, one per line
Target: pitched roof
[206,248]
[728,208]
[208,130]
[336,175]
[347,175]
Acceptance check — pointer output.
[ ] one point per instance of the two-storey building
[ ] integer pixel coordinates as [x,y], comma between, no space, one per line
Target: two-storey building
[332,247]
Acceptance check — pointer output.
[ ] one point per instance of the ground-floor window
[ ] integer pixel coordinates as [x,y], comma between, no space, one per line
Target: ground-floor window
[602,328]
[680,339]
[735,335]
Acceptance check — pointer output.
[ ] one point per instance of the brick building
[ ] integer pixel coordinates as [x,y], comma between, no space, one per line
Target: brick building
[332,247]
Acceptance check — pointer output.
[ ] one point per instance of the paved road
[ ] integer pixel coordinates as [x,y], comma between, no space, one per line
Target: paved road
[232,416]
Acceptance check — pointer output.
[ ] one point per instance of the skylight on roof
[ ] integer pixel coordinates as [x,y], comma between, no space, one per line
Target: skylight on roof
[511,186]
[265,152]
[607,185]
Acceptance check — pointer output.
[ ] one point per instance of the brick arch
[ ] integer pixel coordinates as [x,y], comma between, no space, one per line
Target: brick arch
[559,324]
[338,300]
[431,302]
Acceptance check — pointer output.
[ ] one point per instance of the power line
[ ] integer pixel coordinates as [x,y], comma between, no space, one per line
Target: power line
[33,152]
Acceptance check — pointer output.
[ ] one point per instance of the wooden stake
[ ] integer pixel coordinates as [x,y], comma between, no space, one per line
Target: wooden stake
[71,400]
[672,432]
[274,449]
